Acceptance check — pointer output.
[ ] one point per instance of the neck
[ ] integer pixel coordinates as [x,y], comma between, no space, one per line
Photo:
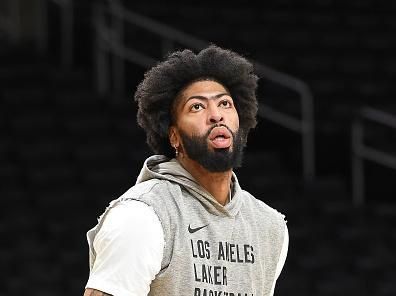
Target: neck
[218,184]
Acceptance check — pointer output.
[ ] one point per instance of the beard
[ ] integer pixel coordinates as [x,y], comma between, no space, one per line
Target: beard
[217,159]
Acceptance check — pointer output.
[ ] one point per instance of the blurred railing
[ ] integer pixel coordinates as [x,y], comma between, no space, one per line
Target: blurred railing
[305,126]
[65,32]
[361,152]
[110,41]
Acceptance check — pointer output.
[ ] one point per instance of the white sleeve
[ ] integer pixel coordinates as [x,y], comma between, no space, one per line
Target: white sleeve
[129,248]
[282,258]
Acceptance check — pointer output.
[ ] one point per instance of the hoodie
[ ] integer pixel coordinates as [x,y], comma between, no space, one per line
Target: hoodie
[210,249]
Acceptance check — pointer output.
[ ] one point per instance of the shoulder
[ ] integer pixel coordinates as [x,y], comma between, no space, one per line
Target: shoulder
[141,189]
[260,205]
[269,220]
[149,190]
[129,205]
[159,197]
[130,219]
[264,212]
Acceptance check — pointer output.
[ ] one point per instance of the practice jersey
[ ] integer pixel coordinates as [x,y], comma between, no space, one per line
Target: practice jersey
[207,248]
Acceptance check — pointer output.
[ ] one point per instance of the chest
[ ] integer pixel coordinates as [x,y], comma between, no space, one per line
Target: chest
[217,254]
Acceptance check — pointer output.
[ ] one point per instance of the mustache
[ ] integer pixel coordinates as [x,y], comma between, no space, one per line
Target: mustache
[219,125]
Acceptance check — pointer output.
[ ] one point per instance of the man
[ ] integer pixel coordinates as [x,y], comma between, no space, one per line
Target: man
[187,227]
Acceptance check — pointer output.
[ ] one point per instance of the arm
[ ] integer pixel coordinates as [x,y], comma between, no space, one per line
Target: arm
[92,292]
[282,258]
[283,254]
[129,249]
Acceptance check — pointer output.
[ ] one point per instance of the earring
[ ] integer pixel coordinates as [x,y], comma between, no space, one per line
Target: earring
[176,151]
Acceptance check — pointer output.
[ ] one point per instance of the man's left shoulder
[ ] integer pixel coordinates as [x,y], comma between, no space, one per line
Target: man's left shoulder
[260,206]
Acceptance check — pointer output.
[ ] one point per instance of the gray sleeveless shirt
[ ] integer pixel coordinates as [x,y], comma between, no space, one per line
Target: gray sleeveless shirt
[210,249]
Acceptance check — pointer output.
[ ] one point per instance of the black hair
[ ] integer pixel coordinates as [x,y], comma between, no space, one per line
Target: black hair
[163,82]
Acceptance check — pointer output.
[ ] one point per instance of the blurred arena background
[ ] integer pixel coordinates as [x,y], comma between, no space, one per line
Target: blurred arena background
[323,152]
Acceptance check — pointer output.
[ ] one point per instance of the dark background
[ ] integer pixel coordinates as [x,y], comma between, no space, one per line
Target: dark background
[67,150]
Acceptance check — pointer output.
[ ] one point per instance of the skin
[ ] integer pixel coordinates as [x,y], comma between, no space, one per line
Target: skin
[199,106]
[92,292]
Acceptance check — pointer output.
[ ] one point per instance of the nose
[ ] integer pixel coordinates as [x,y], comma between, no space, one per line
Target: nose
[215,114]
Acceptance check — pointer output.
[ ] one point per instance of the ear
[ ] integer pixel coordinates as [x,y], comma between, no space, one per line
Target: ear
[174,137]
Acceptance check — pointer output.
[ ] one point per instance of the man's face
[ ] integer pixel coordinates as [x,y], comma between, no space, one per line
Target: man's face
[207,126]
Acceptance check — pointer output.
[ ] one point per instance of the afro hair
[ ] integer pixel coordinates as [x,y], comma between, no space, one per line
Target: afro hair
[162,83]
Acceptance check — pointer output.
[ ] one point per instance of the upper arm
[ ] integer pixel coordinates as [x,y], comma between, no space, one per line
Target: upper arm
[283,253]
[92,292]
[282,258]
[129,249]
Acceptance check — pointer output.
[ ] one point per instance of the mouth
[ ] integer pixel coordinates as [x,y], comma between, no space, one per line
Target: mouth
[220,137]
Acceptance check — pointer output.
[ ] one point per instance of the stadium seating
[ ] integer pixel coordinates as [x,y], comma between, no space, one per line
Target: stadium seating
[66,152]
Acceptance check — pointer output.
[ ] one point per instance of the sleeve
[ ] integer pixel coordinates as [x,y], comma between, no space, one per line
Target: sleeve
[129,248]
[282,258]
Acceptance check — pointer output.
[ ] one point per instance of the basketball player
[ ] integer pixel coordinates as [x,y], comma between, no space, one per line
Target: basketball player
[187,227]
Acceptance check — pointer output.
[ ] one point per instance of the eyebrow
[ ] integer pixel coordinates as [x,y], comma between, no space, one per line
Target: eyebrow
[206,98]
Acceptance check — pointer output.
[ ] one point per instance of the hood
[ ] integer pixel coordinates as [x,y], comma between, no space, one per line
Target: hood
[164,168]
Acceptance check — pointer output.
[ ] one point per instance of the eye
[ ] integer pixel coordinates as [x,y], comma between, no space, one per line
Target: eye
[196,107]
[225,104]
